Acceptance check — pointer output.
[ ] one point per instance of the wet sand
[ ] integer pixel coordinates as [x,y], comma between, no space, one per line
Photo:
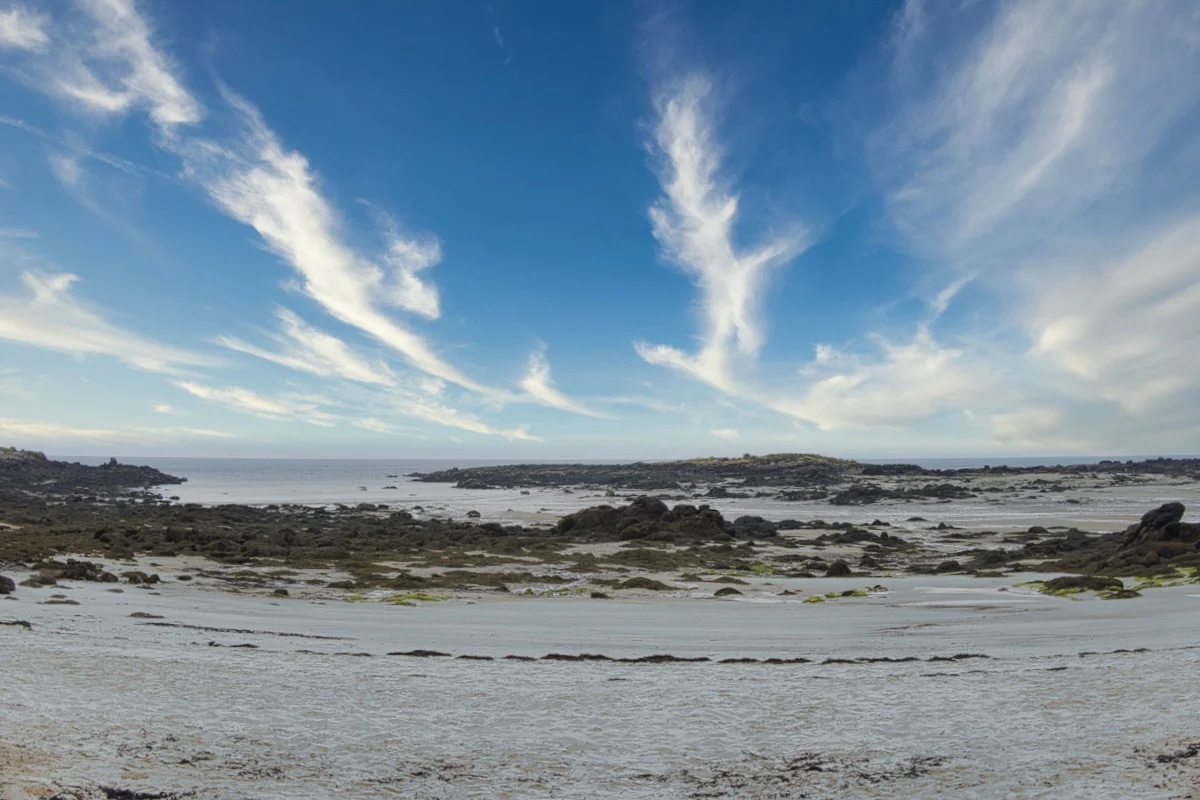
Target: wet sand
[1076,697]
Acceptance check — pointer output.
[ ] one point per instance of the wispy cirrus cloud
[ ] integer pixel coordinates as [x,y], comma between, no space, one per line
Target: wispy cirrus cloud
[258,182]
[47,314]
[302,347]
[1042,155]
[39,430]
[110,66]
[694,224]
[539,386]
[280,407]
[117,68]
[22,29]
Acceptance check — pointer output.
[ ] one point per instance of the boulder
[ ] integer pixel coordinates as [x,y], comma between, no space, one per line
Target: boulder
[839,569]
[7,585]
[1163,524]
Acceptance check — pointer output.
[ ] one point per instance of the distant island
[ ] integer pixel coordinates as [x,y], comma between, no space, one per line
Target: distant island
[776,469]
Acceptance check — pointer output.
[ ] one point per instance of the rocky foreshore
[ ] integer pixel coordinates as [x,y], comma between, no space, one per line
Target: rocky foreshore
[81,514]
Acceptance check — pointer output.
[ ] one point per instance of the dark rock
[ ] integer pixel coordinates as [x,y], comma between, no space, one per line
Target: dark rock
[649,518]
[949,566]
[280,593]
[136,576]
[641,582]
[725,591]
[75,570]
[1162,524]
[145,615]
[7,585]
[838,569]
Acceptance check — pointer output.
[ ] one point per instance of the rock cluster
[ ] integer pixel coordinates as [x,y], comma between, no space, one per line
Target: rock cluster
[30,469]
[649,518]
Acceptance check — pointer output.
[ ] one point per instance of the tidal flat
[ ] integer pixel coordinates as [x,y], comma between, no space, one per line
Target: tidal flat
[759,648]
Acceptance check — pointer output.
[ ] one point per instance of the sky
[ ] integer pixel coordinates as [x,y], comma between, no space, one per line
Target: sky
[538,230]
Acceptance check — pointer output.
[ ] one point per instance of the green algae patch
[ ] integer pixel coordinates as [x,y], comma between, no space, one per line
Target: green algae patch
[1182,576]
[855,593]
[411,598]
[1121,594]
[816,598]
[763,569]
[1070,585]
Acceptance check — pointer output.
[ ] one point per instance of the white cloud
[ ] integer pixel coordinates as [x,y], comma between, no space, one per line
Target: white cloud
[22,29]
[409,257]
[38,430]
[1012,137]
[538,384]
[899,385]
[166,408]
[259,183]
[48,315]
[119,68]
[113,67]
[432,411]
[1128,326]
[694,224]
[728,434]
[1044,158]
[304,348]
[283,407]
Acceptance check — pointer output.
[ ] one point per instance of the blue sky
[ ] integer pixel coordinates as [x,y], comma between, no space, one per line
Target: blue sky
[547,230]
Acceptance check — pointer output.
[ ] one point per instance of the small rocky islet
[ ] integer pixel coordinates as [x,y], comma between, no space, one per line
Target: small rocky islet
[54,514]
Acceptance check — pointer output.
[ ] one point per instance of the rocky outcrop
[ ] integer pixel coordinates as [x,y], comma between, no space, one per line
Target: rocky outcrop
[7,585]
[651,519]
[26,469]
[866,493]
[1160,544]
[1163,524]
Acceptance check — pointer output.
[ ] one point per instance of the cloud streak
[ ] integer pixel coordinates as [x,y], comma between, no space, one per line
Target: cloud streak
[258,182]
[539,386]
[304,348]
[247,401]
[252,177]
[694,225]
[21,29]
[46,314]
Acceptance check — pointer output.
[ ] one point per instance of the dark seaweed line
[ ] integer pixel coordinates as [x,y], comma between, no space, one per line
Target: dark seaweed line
[666,658]
[244,631]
